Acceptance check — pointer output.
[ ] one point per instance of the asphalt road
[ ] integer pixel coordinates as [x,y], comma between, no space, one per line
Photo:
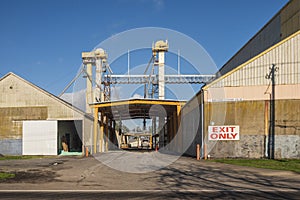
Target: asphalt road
[186,178]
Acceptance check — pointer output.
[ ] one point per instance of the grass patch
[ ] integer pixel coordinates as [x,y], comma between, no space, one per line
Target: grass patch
[282,164]
[4,175]
[21,157]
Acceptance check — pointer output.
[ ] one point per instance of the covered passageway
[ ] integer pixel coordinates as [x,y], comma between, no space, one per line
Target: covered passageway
[163,114]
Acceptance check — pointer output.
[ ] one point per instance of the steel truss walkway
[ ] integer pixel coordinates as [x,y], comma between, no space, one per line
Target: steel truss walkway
[169,79]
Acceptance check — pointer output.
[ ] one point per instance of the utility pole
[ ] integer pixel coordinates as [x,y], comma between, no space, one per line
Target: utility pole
[271,138]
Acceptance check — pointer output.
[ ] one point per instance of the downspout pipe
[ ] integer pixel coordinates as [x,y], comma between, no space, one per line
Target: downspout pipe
[202,120]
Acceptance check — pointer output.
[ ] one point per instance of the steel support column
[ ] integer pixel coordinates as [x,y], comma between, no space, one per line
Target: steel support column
[98,80]
[106,134]
[95,129]
[179,133]
[101,133]
[161,75]
[174,117]
[89,88]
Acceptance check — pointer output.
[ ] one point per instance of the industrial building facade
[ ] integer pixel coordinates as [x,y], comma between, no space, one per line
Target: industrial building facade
[257,90]
[33,121]
[247,102]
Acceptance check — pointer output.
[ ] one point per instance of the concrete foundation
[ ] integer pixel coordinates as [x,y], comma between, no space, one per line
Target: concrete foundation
[287,146]
[249,146]
[11,147]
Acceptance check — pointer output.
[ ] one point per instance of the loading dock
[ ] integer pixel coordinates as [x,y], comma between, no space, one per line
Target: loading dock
[72,131]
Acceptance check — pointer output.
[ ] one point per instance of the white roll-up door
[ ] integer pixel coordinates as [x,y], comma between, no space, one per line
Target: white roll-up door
[39,138]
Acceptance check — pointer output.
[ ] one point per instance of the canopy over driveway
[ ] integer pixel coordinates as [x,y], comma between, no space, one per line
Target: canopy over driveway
[106,113]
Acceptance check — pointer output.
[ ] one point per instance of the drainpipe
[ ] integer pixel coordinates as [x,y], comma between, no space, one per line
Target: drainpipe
[202,121]
[202,124]
[266,136]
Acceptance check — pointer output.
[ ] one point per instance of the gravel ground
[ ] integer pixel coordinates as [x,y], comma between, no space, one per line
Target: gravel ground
[186,178]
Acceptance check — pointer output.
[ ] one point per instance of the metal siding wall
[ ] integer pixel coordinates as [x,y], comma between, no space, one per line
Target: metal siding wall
[279,27]
[88,133]
[264,39]
[285,57]
[188,135]
[290,15]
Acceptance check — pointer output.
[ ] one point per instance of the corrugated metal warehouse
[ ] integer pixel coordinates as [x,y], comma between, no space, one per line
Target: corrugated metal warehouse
[257,90]
[33,121]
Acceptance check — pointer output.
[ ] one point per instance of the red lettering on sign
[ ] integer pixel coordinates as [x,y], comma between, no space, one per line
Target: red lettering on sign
[222,135]
[228,136]
[234,135]
[223,132]
[214,129]
[222,129]
[213,136]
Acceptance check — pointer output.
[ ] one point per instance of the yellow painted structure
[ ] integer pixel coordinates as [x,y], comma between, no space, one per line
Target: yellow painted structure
[130,109]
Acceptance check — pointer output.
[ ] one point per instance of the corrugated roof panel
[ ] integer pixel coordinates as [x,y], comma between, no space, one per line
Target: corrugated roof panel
[285,56]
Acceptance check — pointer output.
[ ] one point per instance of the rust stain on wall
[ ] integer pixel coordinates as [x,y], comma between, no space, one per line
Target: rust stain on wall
[12,118]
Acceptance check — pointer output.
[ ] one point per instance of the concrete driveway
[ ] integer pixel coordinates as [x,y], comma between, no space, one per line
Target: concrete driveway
[186,178]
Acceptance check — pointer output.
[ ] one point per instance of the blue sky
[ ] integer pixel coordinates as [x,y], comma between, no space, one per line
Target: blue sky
[42,40]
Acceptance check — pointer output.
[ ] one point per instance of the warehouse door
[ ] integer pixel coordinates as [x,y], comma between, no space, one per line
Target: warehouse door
[39,138]
[71,132]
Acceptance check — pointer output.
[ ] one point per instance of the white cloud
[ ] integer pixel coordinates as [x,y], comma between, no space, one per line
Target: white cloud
[77,99]
[60,59]
[137,96]
[115,93]
[38,62]
[158,4]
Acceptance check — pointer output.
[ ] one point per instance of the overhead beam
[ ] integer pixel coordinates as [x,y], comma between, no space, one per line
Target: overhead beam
[169,79]
[130,102]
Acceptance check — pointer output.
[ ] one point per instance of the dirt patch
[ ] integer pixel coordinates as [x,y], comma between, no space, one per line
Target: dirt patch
[31,176]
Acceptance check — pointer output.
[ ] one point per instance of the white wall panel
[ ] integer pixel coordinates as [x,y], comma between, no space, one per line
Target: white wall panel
[39,138]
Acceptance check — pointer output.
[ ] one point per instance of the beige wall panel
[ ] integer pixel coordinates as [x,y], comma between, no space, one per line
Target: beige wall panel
[252,93]
[88,133]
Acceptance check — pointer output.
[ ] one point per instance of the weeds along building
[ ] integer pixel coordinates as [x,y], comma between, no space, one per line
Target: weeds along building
[33,121]
[258,89]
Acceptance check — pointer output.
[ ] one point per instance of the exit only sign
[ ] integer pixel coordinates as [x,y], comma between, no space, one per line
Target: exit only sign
[224,132]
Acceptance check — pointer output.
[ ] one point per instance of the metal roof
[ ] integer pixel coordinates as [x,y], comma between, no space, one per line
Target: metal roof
[137,108]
